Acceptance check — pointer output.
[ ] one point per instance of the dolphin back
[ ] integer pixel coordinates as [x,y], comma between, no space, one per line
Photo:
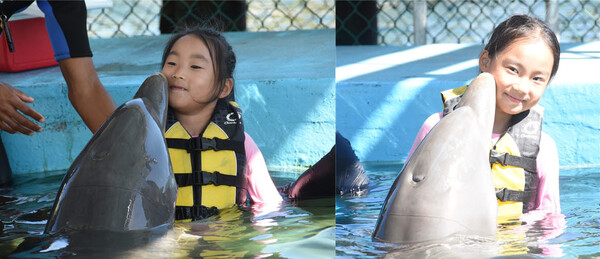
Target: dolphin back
[122,180]
[446,187]
[350,176]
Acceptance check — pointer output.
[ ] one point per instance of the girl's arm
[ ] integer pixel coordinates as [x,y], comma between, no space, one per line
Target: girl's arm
[427,126]
[547,169]
[260,185]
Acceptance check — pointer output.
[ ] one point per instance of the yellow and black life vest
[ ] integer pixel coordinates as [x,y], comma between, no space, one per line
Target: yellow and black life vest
[209,169]
[512,158]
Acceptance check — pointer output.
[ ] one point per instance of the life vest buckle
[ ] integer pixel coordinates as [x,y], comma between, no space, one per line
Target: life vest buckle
[501,194]
[208,178]
[200,144]
[209,143]
[496,157]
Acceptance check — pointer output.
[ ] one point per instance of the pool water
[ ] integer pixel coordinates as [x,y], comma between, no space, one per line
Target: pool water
[291,230]
[575,233]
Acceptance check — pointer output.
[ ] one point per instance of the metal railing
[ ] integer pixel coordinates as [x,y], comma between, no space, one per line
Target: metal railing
[129,18]
[409,22]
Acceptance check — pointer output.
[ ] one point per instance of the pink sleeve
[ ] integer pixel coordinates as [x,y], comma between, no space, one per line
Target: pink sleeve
[260,185]
[427,126]
[547,170]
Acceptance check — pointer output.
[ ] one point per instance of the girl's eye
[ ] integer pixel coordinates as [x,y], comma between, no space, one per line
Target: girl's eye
[538,79]
[196,67]
[171,63]
[512,69]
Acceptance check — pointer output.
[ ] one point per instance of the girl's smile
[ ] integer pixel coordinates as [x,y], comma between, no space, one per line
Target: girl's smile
[513,99]
[177,88]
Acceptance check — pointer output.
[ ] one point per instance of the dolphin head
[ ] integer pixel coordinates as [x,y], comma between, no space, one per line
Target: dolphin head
[155,92]
[122,180]
[481,97]
[446,186]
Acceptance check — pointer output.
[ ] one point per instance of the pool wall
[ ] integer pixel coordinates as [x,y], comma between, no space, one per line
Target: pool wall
[384,94]
[284,82]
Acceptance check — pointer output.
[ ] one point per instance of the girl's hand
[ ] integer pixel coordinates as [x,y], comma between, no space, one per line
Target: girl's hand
[11,120]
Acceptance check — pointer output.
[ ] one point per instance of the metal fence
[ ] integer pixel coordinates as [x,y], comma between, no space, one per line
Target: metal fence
[127,18]
[393,21]
[472,21]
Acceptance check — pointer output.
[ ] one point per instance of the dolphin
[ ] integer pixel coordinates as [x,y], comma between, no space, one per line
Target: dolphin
[340,167]
[350,176]
[122,180]
[446,187]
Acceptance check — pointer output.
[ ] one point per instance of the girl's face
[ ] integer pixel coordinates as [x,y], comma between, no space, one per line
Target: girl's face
[522,73]
[190,75]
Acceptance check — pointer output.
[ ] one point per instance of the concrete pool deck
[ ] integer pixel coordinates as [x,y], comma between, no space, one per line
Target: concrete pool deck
[384,94]
[284,83]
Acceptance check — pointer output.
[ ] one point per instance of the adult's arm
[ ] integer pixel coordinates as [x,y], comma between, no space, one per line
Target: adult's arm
[66,24]
[86,93]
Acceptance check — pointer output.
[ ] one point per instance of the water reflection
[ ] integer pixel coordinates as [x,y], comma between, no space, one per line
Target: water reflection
[288,229]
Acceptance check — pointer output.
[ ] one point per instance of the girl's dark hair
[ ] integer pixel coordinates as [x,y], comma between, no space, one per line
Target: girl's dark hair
[221,54]
[523,26]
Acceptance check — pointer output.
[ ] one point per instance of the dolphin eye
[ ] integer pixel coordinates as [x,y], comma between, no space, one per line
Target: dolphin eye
[100,155]
[418,179]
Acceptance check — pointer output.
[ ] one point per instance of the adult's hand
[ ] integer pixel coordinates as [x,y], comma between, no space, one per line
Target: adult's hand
[11,120]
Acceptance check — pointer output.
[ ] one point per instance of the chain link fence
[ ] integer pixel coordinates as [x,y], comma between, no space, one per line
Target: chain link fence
[128,18]
[469,21]
[390,22]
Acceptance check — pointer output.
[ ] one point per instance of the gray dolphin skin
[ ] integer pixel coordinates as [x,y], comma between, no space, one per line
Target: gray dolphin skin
[446,186]
[122,180]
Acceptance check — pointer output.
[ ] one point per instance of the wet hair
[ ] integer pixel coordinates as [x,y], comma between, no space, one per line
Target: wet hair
[220,51]
[523,26]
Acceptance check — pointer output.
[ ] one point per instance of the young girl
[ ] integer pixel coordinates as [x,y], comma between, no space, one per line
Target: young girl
[523,56]
[216,164]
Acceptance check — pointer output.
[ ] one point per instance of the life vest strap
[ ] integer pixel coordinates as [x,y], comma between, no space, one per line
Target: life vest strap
[504,159]
[513,195]
[206,178]
[195,212]
[201,144]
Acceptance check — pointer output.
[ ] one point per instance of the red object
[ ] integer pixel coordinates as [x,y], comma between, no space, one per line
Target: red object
[32,46]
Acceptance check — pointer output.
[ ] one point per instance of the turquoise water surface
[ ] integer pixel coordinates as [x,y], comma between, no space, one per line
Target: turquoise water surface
[574,234]
[292,230]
